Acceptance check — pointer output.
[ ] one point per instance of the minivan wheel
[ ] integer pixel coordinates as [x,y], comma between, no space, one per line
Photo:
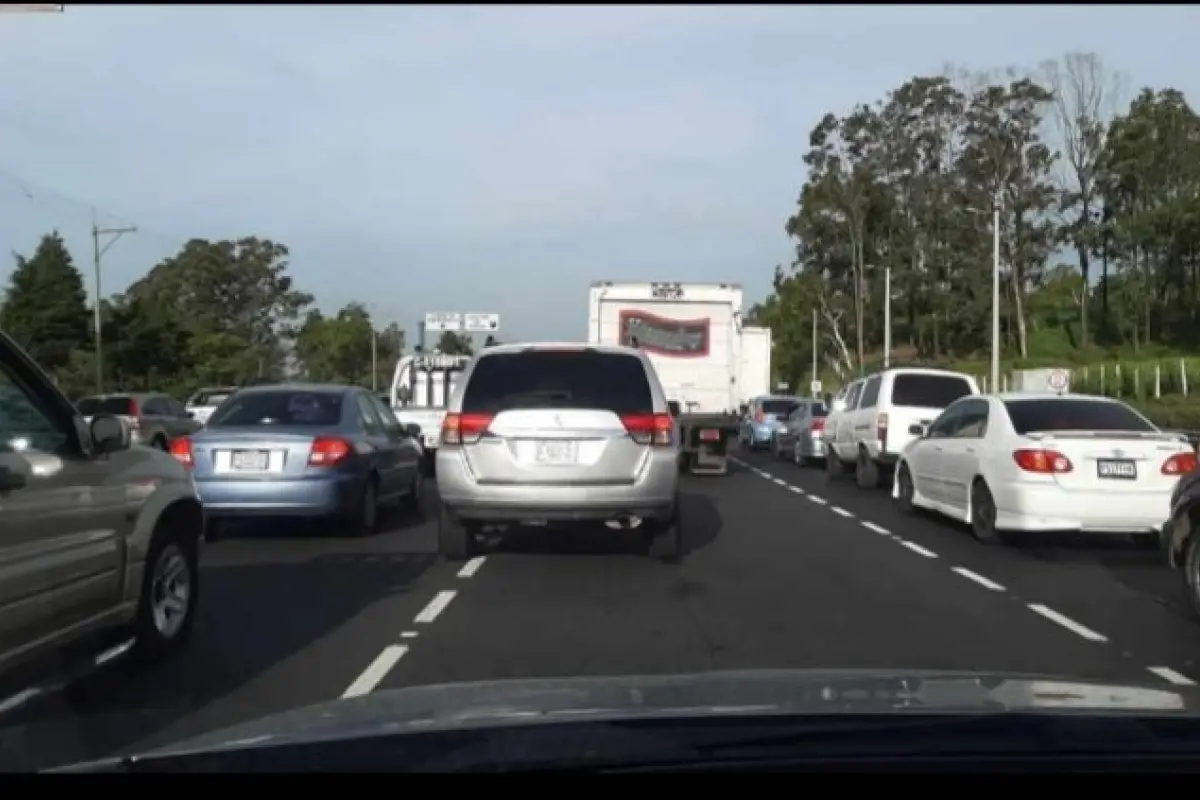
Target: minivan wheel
[456,541]
[170,590]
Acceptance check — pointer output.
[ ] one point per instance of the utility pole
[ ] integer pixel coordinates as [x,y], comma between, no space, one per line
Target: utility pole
[97,252]
[374,359]
[814,347]
[887,317]
[995,376]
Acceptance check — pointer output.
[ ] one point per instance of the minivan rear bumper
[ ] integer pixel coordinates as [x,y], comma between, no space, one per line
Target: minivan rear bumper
[651,495]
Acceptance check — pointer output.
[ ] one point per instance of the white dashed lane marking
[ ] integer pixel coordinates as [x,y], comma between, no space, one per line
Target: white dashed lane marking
[377,671]
[436,606]
[796,489]
[916,548]
[471,567]
[841,512]
[816,499]
[987,583]
[1171,676]
[1067,622]
[871,526]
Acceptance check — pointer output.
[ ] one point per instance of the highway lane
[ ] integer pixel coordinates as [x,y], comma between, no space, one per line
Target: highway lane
[1108,584]
[773,579]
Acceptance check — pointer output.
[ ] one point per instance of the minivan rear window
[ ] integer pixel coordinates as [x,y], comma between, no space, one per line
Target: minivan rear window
[819,410]
[1032,416]
[283,407]
[917,390]
[91,406]
[780,408]
[558,379]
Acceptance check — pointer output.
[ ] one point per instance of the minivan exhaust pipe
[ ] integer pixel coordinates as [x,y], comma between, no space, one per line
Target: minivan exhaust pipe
[625,522]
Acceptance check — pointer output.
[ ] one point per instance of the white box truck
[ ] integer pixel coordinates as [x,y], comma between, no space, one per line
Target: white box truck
[694,336]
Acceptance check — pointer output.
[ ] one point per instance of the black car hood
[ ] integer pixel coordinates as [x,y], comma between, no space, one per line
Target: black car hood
[606,698]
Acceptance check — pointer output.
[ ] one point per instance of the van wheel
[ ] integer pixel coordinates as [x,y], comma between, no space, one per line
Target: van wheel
[456,540]
[866,471]
[170,590]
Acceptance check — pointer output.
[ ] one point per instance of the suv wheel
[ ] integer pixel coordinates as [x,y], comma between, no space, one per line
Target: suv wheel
[170,591]
[456,540]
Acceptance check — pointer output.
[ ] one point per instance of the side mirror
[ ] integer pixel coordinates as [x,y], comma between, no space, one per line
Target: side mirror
[109,434]
[916,430]
[412,429]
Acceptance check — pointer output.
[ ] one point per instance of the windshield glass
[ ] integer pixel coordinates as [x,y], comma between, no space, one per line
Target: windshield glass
[283,407]
[430,347]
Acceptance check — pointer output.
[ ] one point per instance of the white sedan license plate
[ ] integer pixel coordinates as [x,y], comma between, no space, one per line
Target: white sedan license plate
[556,452]
[1120,469]
[250,460]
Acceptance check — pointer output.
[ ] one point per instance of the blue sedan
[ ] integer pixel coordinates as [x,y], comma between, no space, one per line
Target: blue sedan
[304,450]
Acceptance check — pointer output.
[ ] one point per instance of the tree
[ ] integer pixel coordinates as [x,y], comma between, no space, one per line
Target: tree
[45,308]
[454,344]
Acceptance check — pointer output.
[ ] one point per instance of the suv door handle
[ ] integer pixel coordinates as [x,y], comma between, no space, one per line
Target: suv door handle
[10,480]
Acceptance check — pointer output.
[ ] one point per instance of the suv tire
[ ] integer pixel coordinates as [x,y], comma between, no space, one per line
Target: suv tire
[170,591]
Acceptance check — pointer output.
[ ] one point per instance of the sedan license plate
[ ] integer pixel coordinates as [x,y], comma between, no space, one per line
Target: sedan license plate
[710,436]
[556,452]
[1119,469]
[250,460]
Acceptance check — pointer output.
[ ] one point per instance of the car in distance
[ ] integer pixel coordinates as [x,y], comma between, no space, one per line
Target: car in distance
[562,434]
[303,450]
[97,538]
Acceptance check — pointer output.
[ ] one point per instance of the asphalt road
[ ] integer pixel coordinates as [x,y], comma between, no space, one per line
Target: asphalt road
[785,570]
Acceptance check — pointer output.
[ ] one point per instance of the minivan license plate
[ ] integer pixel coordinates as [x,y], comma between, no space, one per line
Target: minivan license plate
[556,452]
[250,460]
[1120,469]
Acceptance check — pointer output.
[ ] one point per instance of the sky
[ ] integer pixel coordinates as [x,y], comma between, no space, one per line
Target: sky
[487,159]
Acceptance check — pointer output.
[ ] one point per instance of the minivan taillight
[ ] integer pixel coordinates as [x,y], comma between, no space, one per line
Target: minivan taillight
[817,426]
[181,450]
[1179,464]
[651,429]
[1042,462]
[328,451]
[464,428]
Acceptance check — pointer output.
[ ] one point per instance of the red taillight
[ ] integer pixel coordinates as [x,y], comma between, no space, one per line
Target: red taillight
[328,450]
[181,449]
[817,426]
[881,429]
[758,416]
[464,428]
[1044,462]
[651,429]
[1179,464]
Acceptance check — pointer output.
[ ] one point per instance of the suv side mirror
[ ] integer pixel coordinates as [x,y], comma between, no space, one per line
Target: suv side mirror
[109,434]
[412,429]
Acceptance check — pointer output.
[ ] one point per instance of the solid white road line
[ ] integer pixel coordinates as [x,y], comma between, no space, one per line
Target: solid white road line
[379,668]
[1067,622]
[1171,676]
[916,548]
[987,583]
[471,567]
[436,606]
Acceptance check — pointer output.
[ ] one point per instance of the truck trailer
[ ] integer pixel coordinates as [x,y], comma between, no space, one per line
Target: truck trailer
[708,362]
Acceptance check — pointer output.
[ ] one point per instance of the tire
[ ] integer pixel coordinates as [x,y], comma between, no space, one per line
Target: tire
[159,443]
[983,515]
[906,490]
[364,520]
[665,538]
[1189,571]
[170,592]
[456,540]
[866,471]
[834,468]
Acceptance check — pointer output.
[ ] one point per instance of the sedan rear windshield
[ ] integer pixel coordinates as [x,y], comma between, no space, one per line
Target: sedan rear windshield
[918,390]
[292,408]
[210,397]
[1032,416]
[780,408]
[558,379]
[91,406]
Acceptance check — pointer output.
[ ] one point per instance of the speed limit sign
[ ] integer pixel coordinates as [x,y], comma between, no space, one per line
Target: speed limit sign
[1059,380]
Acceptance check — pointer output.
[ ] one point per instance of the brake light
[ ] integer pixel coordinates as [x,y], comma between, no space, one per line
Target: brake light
[464,428]
[1179,464]
[817,426]
[1042,462]
[881,429]
[181,451]
[651,429]
[328,451]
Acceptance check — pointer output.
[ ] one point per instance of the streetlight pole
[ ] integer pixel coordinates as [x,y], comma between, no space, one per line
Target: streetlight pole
[374,358]
[887,317]
[97,252]
[814,348]
[995,376]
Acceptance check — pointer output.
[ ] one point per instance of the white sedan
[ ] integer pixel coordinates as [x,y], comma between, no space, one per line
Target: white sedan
[1043,462]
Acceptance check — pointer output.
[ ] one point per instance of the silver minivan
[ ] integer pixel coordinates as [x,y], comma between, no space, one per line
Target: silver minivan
[562,435]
